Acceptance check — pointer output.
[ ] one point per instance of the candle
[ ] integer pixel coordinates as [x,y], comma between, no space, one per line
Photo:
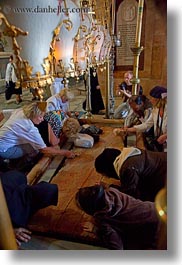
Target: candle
[113,17]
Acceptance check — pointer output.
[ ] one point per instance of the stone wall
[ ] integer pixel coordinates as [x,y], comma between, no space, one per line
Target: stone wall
[155,49]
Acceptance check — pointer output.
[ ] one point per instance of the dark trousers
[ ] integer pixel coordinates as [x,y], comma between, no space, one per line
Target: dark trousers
[10,90]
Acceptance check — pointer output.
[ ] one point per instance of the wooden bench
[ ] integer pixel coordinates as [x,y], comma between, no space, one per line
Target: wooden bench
[47,167]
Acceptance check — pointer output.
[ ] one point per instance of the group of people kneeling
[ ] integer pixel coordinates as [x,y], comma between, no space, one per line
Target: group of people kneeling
[125,217]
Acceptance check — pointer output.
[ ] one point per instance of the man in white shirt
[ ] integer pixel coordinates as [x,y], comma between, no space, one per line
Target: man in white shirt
[11,79]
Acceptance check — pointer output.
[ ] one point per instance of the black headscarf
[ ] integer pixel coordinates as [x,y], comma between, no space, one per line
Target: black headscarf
[91,199]
[104,162]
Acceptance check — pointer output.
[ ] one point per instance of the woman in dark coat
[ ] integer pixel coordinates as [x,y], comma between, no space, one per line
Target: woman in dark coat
[142,173]
[120,221]
[97,103]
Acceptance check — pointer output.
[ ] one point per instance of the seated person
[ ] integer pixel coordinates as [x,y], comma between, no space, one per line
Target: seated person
[142,173]
[24,200]
[20,138]
[125,89]
[158,118]
[121,221]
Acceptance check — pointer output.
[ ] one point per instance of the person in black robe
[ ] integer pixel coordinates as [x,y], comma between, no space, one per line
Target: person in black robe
[97,103]
[24,200]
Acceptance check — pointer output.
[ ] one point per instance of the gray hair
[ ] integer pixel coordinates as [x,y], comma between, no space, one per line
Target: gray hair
[67,93]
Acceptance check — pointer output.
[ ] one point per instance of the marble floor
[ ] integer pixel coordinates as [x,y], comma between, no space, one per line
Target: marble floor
[75,104]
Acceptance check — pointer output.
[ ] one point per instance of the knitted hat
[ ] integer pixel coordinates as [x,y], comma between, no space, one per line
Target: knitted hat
[104,162]
[157,92]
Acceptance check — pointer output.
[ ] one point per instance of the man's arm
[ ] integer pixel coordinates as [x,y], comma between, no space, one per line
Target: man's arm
[52,151]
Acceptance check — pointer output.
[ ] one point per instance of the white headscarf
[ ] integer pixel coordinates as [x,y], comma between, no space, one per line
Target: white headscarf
[127,152]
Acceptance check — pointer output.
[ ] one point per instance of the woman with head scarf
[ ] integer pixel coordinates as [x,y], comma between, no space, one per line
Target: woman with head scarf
[142,173]
[119,220]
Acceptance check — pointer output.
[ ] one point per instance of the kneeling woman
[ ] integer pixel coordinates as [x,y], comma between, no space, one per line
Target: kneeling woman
[57,126]
[19,137]
[119,220]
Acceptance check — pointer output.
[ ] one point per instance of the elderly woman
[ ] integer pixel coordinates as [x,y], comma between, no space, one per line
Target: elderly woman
[60,101]
[157,119]
[20,137]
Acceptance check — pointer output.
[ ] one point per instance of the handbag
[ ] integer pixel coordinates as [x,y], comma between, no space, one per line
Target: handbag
[92,130]
[84,140]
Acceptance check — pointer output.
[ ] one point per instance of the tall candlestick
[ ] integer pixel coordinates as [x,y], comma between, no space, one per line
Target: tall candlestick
[137,49]
[139,23]
[113,17]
